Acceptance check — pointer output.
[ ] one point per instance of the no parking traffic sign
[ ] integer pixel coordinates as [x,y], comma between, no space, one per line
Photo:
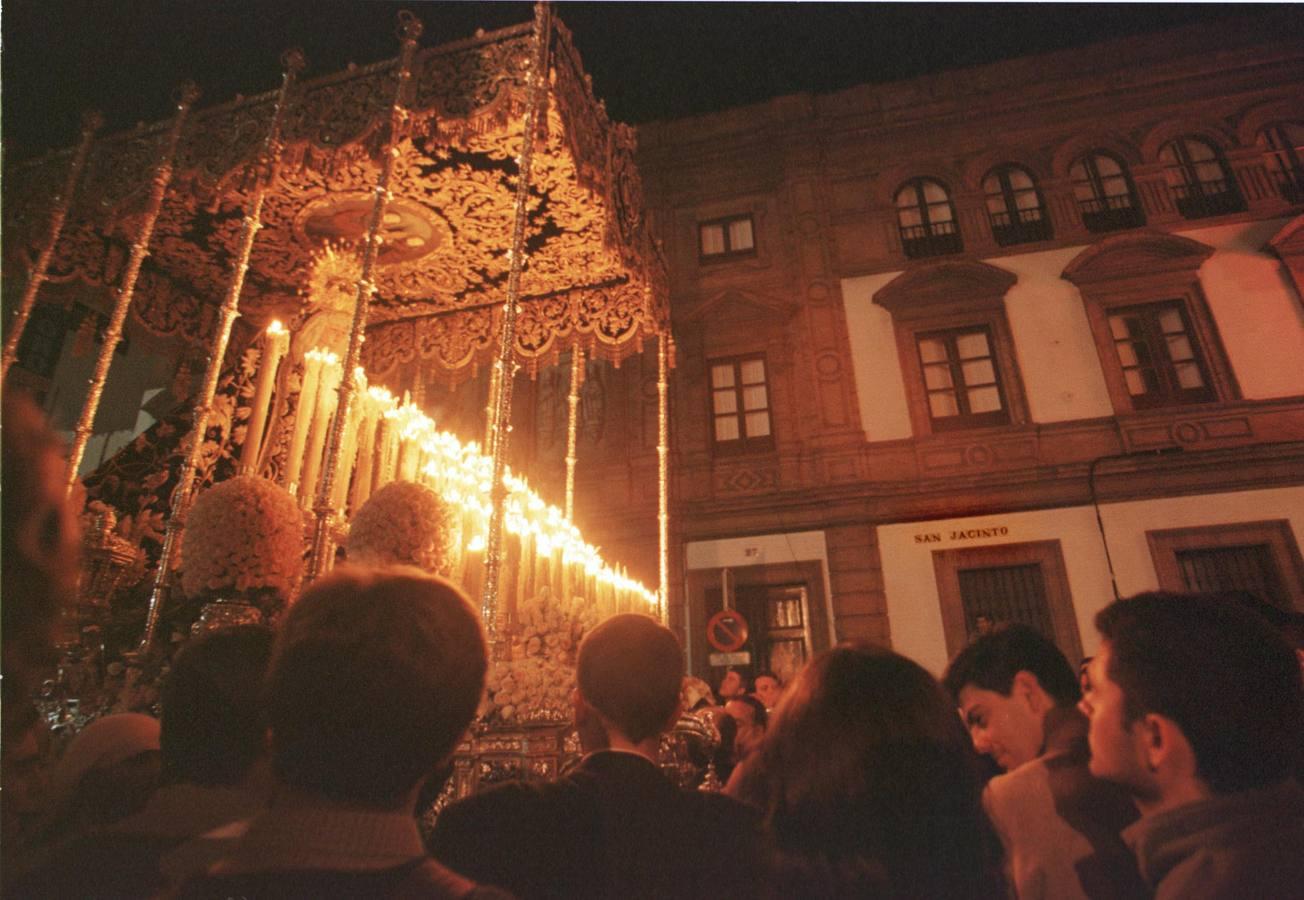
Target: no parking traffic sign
[726,631]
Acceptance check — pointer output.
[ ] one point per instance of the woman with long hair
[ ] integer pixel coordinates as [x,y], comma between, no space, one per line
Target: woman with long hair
[869,785]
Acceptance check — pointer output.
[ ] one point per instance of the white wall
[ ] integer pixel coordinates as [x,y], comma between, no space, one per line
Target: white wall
[762,550]
[1260,319]
[914,608]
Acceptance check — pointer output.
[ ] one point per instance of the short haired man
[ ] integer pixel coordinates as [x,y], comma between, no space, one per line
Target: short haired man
[616,826]
[1196,708]
[768,689]
[732,684]
[374,678]
[1017,695]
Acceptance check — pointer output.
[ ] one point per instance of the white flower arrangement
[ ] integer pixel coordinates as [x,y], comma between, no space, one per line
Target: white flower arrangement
[243,535]
[535,684]
[403,523]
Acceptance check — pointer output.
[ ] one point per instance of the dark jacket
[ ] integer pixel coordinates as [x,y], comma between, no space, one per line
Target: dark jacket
[1248,844]
[615,827]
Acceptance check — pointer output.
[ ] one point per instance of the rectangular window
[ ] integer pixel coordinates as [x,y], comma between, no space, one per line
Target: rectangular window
[1157,352]
[726,237]
[740,404]
[960,378]
[1261,558]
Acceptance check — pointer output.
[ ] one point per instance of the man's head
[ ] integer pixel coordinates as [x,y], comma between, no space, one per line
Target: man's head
[214,729]
[629,672]
[983,624]
[768,689]
[731,685]
[1005,683]
[751,718]
[1191,695]
[375,676]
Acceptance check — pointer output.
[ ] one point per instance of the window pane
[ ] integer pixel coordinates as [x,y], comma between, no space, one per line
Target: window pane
[1126,353]
[937,377]
[726,428]
[1019,178]
[1179,348]
[753,372]
[725,401]
[1136,384]
[1168,155]
[934,192]
[1199,151]
[1115,186]
[909,218]
[1206,172]
[984,399]
[712,239]
[1106,165]
[754,397]
[931,350]
[1120,327]
[979,372]
[972,345]
[1170,320]
[992,184]
[1188,375]
[1027,200]
[722,376]
[907,197]
[740,234]
[758,424]
[943,405]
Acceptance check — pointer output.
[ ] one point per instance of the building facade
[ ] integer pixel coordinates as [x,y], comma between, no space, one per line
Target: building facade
[1005,341]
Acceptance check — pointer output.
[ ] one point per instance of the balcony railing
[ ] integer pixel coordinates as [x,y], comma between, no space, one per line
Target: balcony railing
[1208,198]
[1111,213]
[1290,184]
[934,239]
[1029,225]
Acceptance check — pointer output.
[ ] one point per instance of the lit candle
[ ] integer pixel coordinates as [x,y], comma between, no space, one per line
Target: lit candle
[303,412]
[276,341]
[327,397]
[349,450]
[366,451]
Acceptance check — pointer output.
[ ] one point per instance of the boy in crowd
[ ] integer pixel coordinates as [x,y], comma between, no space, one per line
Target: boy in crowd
[1196,708]
[1017,695]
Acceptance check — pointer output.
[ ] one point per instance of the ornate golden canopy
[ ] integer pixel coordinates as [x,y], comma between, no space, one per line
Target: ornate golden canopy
[592,275]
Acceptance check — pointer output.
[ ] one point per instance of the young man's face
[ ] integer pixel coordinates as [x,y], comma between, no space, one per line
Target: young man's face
[1005,728]
[731,685]
[1116,751]
[768,691]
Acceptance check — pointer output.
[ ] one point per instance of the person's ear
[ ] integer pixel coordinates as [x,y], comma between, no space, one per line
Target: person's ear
[1028,689]
[581,708]
[1163,745]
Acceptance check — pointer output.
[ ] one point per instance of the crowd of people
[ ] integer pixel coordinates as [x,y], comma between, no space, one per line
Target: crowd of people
[288,762]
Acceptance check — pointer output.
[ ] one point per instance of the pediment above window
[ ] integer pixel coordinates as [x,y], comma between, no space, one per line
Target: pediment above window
[1136,254]
[924,290]
[736,304]
[1289,242]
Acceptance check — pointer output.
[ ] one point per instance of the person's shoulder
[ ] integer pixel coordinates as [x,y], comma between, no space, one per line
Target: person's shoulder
[1017,789]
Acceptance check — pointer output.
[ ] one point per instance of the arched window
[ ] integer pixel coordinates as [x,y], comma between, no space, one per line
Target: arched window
[1283,148]
[926,217]
[1014,205]
[1105,193]
[1199,179]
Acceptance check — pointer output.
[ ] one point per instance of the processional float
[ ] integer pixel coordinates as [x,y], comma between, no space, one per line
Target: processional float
[460,208]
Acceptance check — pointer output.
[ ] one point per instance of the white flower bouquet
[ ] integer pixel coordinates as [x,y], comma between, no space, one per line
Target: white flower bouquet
[535,684]
[244,538]
[403,523]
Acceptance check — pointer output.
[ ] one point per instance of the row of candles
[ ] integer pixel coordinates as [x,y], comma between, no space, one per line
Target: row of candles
[386,439]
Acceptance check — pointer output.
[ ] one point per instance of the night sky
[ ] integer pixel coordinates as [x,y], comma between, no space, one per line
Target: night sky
[649,61]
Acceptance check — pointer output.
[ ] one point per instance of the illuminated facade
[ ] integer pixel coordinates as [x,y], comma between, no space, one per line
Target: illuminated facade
[924,328]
